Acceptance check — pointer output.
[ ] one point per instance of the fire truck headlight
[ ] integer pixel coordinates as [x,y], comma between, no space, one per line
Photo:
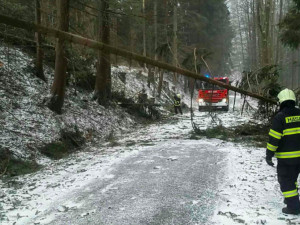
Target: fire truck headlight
[200,100]
[224,100]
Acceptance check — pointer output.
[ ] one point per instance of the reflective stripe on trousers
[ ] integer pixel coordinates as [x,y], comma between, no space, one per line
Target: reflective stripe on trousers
[289,194]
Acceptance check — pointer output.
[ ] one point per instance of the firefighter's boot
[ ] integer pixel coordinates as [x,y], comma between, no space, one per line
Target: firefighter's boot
[287,210]
[293,206]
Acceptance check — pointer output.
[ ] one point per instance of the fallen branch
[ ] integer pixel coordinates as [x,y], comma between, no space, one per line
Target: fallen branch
[120,52]
[250,105]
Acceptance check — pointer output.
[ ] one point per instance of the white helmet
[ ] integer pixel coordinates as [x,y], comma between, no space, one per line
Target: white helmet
[178,95]
[286,95]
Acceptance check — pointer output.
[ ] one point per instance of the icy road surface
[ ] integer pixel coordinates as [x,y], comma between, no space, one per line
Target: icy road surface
[157,175]
[175,182]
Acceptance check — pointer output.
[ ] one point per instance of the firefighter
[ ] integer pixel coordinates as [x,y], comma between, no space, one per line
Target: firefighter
[177,104]
[284,143]
[142,100]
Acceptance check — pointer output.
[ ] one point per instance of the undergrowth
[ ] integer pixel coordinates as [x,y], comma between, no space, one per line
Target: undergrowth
[69,142]
[249,133]
[10,165]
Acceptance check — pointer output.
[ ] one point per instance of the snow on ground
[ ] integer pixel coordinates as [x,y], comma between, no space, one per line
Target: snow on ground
[249,193]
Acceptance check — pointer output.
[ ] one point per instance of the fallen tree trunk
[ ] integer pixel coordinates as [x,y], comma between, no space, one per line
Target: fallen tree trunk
[120,52]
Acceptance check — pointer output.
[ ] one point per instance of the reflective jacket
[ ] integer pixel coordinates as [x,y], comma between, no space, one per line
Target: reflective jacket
[177,101]
[284,136]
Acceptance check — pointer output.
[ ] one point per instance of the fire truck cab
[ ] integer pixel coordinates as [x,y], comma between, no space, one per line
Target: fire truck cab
[212,96]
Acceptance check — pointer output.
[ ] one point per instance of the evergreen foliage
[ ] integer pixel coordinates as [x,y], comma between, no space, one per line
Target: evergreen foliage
[201,24]
[182,26]
[290,26]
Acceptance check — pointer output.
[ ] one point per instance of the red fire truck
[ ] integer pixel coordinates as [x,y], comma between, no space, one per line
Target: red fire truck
[214,96]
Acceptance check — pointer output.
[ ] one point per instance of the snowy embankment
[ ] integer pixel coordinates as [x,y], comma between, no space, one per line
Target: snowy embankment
[27,124]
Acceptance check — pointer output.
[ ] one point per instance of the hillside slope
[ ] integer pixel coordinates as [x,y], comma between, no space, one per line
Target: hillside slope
[27,126]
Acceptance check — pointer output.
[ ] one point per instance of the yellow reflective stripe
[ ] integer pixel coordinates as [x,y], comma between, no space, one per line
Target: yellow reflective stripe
[271,147]
[177,103]
[292,119]
[286,155]
[275,134]
[291,131]
[289,194]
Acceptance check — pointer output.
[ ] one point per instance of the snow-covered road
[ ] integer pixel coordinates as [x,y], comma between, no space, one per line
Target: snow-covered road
[175,182]
[157,175]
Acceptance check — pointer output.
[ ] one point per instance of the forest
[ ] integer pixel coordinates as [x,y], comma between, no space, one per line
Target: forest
[266,42]
[116,99]
[161,31]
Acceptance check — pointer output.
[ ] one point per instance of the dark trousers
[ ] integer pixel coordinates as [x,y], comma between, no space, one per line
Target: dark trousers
[177,109]
[287,178]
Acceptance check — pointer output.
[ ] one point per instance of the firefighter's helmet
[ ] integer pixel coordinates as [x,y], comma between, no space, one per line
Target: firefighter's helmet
[286,95]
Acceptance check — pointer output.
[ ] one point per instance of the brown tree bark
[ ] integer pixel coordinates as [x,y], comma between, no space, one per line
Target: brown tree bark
[254,37]
[39,50]
[260,31]
[175,38]
[161,72]
[241,35]
[103,75]
[249,36]
[114,33]
[278,45]
[155,43]
[58,88]
[264,15]
[144,31]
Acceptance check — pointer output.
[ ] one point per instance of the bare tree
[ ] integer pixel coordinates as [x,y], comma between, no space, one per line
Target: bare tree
[144,30]
[278,45]
[103,74]
[240,32]
[58,88]
[161,72]
[175,38]
[264,16]
[155,42]
[38,36]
